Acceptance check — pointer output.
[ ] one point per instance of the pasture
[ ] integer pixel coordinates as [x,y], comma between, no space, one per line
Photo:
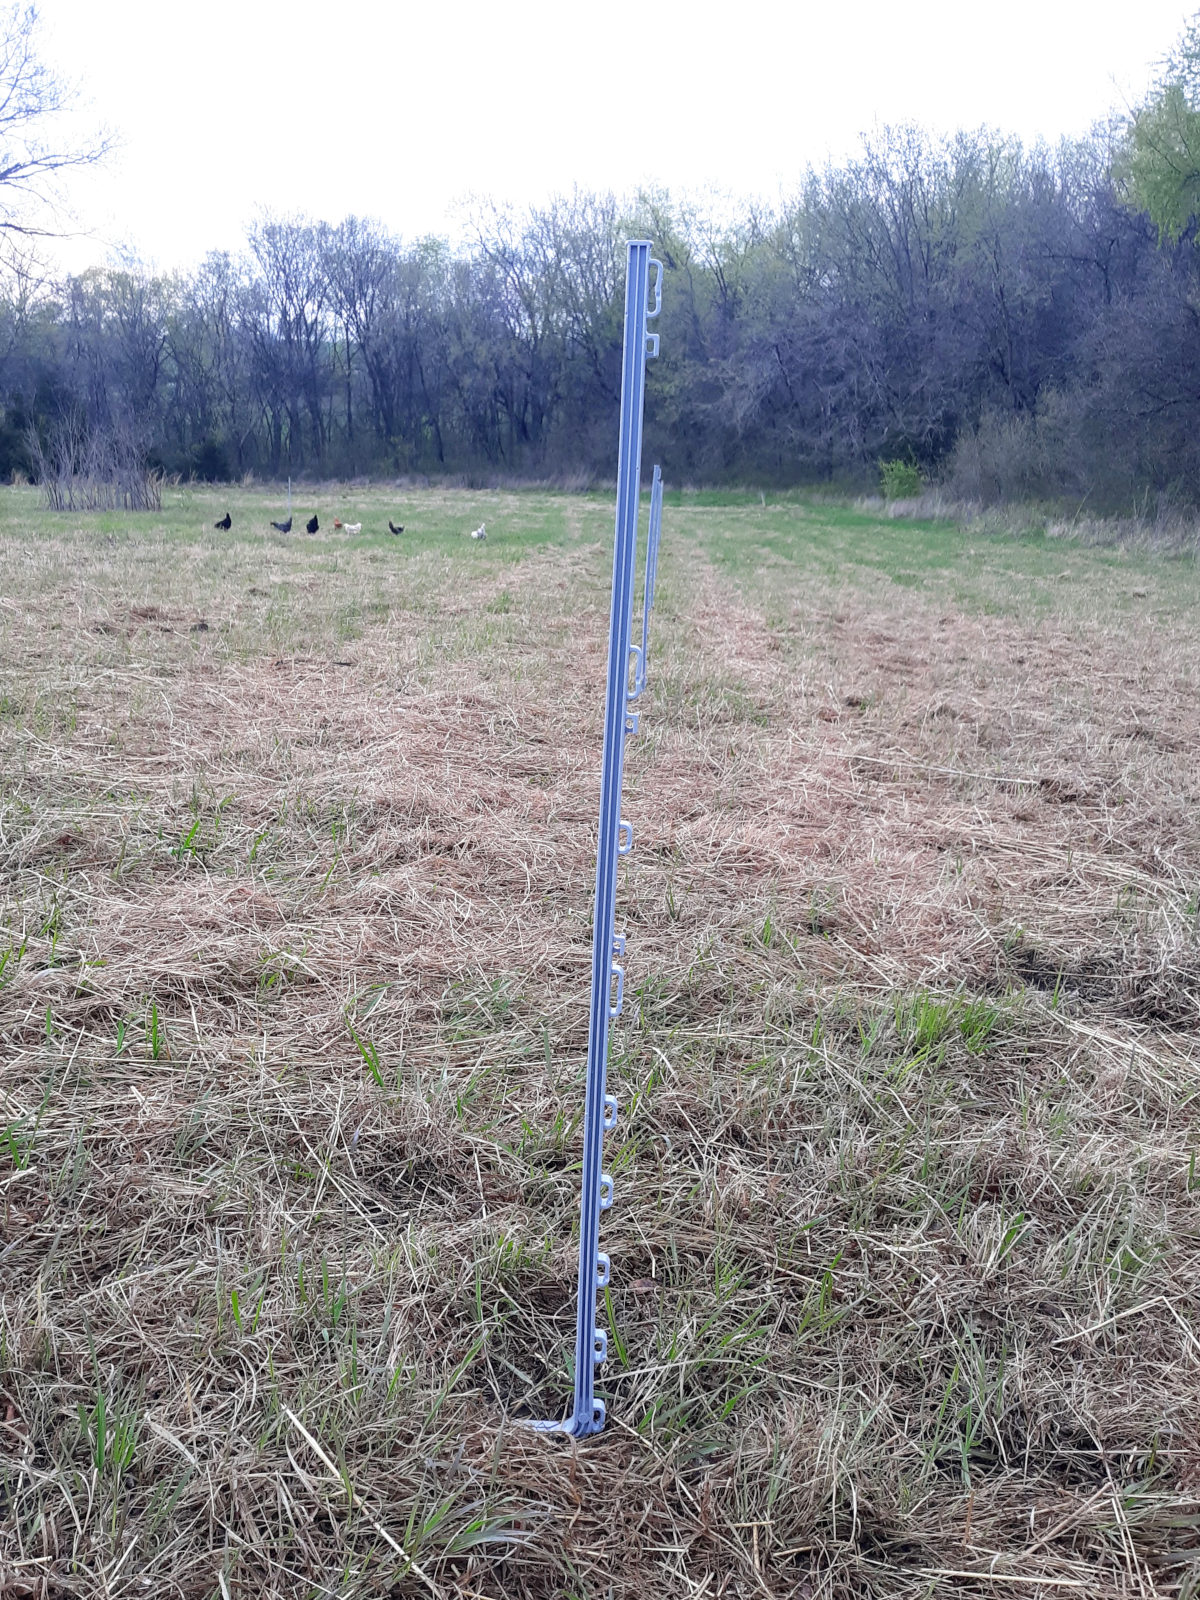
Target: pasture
[296,861]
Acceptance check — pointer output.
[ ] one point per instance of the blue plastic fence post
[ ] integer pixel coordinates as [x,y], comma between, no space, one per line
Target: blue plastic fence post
[616,839]
[651,575]
[656,494]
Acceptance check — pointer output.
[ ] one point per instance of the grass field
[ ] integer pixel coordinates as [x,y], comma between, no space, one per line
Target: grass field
[296,858]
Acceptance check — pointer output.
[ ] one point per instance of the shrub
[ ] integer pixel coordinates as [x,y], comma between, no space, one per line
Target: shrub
[900,480]
[82,467]
[1018,456]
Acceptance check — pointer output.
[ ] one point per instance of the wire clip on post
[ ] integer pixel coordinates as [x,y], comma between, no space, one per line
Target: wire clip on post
[616,839]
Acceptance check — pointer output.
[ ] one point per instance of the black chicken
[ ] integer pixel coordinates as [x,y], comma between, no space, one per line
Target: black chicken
[283,527]
[392,528]
[225,523]
[312,524]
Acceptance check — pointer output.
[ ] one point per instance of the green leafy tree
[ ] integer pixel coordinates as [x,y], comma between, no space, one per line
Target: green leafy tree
[1158,168]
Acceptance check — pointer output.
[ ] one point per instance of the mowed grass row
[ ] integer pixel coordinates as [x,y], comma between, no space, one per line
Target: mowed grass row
[297,844]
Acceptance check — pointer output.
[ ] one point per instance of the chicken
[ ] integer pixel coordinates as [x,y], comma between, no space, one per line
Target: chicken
[312,525]
[480,532]
[283,527]
[225,523]
[352,527]
[337,522]
[392,528]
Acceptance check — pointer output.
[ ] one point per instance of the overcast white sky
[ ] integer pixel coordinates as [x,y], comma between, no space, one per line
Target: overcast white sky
[401,110]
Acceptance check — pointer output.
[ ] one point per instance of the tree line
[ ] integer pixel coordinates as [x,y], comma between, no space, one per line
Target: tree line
[1012,320]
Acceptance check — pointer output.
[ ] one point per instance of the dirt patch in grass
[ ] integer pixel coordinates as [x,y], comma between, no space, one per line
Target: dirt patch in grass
[298,941]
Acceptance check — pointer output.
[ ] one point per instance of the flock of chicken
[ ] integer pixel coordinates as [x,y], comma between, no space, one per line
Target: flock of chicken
[314,526]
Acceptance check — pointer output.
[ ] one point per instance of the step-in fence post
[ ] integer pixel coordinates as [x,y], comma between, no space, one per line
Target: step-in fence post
[649,580]
[615,840]
[656,493]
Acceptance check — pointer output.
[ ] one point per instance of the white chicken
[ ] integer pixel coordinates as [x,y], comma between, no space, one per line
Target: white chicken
[480,532]
[352,527]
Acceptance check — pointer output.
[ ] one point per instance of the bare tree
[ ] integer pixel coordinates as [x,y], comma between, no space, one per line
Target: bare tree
[35,146]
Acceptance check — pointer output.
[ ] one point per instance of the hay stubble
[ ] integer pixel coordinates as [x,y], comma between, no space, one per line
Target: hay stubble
[905,1239]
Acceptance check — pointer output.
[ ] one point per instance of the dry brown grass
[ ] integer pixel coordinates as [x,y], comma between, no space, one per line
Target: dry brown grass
[1162,527]
[905,1243]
